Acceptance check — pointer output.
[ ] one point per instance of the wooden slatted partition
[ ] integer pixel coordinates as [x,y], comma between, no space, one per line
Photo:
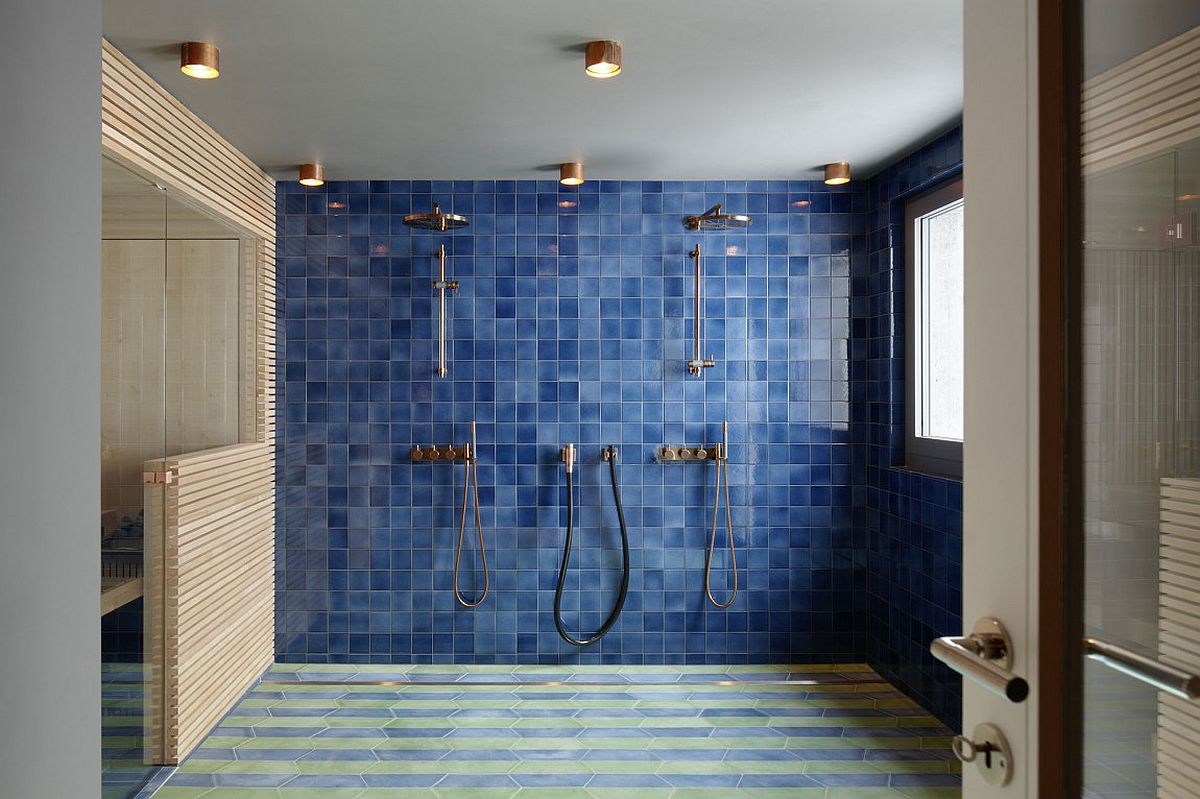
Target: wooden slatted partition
[1179,633]
[210,526]
[144,127]
[1144,106]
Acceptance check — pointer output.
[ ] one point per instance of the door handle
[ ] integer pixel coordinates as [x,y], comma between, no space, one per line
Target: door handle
[984,656]
[1176,682]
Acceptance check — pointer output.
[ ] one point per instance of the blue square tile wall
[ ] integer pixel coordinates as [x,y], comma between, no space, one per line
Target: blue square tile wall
[913,520]
[573,323]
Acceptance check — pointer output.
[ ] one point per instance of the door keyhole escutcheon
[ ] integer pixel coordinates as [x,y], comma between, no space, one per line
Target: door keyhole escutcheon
[988,749]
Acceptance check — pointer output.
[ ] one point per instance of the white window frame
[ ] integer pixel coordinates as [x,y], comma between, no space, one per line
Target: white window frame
[934,455]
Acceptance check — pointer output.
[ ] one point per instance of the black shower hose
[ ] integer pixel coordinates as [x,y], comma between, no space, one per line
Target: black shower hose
[611,456]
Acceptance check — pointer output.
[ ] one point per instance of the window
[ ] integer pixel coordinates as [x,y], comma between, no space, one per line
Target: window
[933,224]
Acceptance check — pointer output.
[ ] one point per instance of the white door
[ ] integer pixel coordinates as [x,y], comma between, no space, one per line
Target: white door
[1133,519]
[1000,469]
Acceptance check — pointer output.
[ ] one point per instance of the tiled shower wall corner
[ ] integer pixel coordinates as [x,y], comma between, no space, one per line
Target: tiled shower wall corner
[914,521]
[573,323]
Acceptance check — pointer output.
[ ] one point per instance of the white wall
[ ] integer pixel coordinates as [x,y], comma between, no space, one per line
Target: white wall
[49,399]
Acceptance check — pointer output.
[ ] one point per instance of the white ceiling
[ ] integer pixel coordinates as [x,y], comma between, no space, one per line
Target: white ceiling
[492,89]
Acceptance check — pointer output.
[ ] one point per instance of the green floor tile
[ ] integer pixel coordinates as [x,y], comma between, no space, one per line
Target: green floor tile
[630,793]
[611,731]
[473,793]
[553,793]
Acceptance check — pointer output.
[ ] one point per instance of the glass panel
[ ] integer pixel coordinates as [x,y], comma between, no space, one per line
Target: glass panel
[1141,365]
[133,274]
[941,237]
[209,265]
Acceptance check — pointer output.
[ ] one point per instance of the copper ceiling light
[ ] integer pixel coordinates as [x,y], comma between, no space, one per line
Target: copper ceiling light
[603,59]
[312,175]
[571,174]
[200,60]
[837,173]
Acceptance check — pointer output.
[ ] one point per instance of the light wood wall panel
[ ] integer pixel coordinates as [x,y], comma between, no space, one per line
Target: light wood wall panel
[131,360]
[1143,106]
[209,575]
[203,338]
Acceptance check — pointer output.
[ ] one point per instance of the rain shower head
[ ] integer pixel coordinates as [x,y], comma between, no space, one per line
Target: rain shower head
[436,220]
[713,219]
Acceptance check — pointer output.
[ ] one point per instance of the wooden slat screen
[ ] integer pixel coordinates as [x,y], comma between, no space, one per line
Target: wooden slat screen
[209,576]
[146,128]
[1179,632]
[1144,106]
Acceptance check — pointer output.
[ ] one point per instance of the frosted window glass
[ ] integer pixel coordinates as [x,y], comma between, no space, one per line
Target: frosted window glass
[941,331]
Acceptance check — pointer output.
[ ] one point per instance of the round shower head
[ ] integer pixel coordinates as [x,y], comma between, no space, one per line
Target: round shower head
[436,220]
[713,219]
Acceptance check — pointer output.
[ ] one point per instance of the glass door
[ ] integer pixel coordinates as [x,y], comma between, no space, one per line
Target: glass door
[177,373]
[1140,362]
[133,431]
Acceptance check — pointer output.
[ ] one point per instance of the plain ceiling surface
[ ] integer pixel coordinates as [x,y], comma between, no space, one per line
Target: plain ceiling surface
[475,89]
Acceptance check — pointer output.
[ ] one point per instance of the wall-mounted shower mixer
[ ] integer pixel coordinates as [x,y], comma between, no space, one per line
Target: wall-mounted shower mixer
[435,452]
[719,454]
[704,453]
[568,456]
[468,454]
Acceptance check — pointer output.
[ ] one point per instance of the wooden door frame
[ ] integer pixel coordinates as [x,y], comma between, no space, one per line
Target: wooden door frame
[1060,537]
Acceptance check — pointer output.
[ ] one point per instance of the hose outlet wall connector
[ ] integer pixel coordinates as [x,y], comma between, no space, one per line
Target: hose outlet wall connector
[567,455]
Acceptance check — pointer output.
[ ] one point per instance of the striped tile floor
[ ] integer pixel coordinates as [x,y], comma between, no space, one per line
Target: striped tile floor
[585,732]
[122,705]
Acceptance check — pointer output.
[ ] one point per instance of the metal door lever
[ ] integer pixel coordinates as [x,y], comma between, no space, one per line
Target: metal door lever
[985,656]
[1176,682]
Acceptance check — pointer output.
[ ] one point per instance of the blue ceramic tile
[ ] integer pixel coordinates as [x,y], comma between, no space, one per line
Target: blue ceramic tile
[571,323]
[912,522]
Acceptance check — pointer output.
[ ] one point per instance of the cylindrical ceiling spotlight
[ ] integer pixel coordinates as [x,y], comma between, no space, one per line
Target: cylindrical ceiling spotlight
[837,173]
[571,173]
[312,175]
[200,60]
[603,59]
